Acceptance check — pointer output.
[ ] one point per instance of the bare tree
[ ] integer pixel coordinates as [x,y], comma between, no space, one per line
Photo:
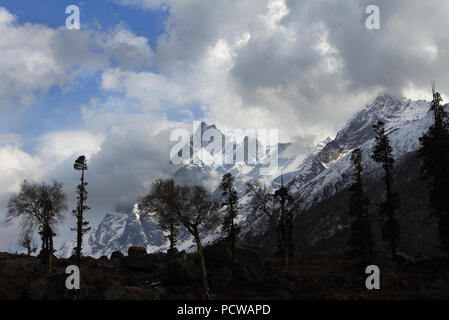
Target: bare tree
[41,205]
[26,240]
[159,203]
[194,207]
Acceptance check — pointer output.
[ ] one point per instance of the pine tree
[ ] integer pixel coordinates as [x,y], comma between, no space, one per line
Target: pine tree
[81,224]
[360,239]
[229,228]
[435,169]
[383,154]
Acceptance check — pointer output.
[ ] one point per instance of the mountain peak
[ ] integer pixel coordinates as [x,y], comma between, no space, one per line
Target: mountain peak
[384,97]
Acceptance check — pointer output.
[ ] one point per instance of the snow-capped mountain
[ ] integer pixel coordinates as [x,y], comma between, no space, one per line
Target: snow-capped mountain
[321,174]
[326,172]
[118,231]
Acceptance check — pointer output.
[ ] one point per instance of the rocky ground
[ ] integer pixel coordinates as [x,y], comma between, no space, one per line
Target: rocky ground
[254,276]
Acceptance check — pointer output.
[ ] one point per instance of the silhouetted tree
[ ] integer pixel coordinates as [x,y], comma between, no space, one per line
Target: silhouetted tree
[435,168]
[81,225]
[194,207]
[158,204]
[41,205]
[383,154]
[360,240]
[229,228]
[26,240]
[281,208]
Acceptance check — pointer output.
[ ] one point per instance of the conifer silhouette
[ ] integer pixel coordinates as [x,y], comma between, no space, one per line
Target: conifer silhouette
[229,228]
[383,154]
[434,152]
[360,239]
[81,225]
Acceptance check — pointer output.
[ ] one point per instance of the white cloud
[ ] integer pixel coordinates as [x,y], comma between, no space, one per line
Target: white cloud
[301,66]
[18,165]
[26,59]
[34,57]
[128,50]
[57,147]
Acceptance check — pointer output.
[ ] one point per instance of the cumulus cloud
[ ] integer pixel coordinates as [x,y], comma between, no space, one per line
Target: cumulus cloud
[301,66]
[16,166]
[56,147]
[34,57]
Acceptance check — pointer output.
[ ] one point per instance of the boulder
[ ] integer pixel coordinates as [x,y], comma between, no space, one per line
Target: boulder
[117,255]
[103,259]
[137,252]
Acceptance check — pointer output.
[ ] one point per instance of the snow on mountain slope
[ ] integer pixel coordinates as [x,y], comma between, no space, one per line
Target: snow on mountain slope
[405,122]
[314,178]
[117,232]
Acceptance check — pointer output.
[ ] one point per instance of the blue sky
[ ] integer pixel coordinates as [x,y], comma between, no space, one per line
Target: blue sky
[59,109]
[149,23]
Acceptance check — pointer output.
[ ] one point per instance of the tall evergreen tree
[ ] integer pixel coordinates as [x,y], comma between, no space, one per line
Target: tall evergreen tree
[383,154]
[81,224]
[360,240]
[229,228]
[285,223]
[435,169]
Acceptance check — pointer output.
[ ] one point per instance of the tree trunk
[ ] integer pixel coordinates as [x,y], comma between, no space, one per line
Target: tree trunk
[80,222]
[50,253]
[285,255]
[232,240]
[203,264]
[172,231]
[284,235]
[393,240]
[391,217]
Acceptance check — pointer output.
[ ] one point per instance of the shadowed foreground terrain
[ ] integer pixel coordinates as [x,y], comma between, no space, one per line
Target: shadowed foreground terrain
[175,276]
